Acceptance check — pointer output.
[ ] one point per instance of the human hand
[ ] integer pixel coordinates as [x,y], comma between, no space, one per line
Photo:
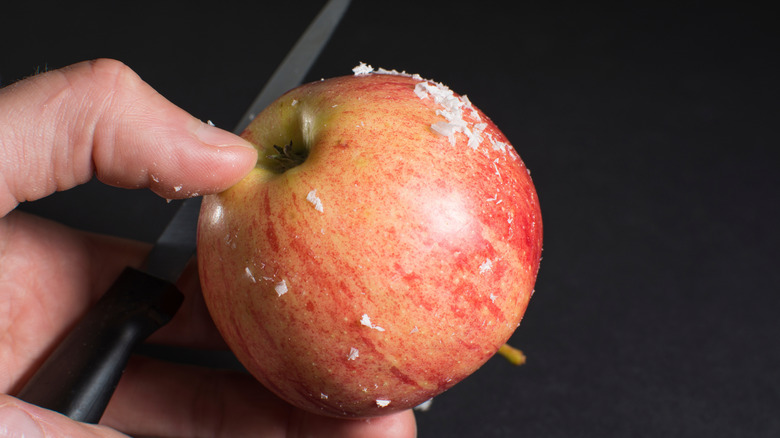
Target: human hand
[57,130]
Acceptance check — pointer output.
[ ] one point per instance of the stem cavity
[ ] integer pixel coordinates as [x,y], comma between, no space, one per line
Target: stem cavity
[284,158]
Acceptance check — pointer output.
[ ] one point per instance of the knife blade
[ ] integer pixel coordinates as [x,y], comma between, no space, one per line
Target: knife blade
[80,375]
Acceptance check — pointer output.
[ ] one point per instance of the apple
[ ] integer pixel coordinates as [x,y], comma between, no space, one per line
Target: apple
[384,247]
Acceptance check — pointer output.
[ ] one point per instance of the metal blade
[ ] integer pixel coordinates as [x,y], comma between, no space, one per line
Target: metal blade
[176,245]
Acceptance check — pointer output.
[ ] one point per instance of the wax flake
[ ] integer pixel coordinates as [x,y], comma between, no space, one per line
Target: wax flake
[315,201]
[249,274]
[281,288]
[362,69]
[485,267]
[366,321]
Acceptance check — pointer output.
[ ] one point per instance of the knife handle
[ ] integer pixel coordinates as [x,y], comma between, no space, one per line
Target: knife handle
[80,375]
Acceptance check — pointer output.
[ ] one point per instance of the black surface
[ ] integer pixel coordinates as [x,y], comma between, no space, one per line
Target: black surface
[651,134]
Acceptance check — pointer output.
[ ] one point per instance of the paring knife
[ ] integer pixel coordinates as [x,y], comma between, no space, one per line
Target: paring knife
[80,375]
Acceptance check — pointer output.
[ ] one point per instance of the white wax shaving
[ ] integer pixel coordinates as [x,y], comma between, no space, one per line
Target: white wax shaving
[315,201]
[453,108]
[249,274]
[485,267]
[362,69]
[366,321]
[281,288]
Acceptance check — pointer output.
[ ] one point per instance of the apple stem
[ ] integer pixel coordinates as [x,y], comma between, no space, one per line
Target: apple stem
[286,157]
[512,354]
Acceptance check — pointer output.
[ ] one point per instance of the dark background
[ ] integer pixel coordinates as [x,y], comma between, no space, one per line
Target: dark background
[651,134]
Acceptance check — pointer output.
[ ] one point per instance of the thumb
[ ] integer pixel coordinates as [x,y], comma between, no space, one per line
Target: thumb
[59,128]
[19,419]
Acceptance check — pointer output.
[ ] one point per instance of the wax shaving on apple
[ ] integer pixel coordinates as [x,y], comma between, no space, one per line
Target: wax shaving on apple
[315,201]
[281,288]
[366,321]
[384,247]
[250,275]
[485,267]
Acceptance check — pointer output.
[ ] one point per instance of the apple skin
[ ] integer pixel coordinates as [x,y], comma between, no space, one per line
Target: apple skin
[386,267]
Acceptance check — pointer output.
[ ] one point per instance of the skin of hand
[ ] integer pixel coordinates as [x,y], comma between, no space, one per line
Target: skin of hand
[57,130]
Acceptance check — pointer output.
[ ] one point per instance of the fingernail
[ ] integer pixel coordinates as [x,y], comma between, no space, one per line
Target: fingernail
[214,136]
[16,423]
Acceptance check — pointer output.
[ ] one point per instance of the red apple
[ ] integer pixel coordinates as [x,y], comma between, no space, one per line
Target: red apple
[384,247]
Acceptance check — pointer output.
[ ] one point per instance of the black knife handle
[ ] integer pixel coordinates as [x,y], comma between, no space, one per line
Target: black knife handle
[80,375]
